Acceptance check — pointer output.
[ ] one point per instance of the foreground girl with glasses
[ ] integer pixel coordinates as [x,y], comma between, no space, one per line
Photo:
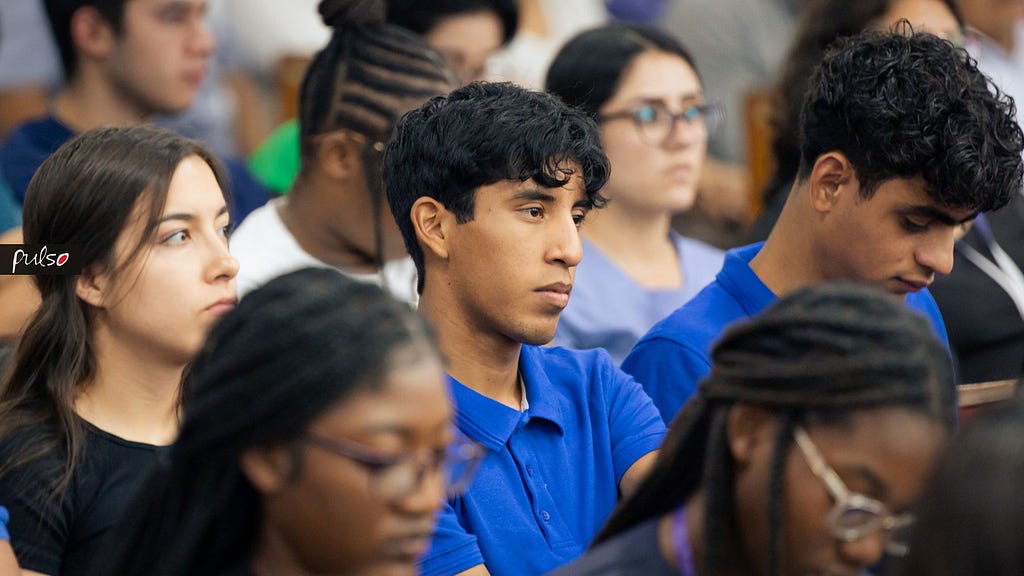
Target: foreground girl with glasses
[318,439]
[801,453]
[642,87]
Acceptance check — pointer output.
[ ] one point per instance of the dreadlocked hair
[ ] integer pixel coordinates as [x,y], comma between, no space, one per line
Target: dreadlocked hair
[815,356]
[288,353]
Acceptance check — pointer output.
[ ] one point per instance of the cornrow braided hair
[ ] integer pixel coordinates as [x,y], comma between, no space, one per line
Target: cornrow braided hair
[288,353]
[816,355]
[368,75]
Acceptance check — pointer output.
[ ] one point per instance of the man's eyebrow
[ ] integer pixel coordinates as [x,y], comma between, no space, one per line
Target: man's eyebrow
[934,213]
[534,194]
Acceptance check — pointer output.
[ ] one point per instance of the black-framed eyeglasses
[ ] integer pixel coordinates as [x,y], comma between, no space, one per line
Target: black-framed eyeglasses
[854,515]
[393,478]
[655,123]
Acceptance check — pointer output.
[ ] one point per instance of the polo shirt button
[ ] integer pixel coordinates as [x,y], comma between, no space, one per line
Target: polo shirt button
[544,514]
[529,470]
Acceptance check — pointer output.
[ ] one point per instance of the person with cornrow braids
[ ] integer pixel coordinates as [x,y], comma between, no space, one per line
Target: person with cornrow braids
[334,216]
[802,452]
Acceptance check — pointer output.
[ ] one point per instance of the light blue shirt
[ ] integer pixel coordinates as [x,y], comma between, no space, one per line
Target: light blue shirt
[608,309]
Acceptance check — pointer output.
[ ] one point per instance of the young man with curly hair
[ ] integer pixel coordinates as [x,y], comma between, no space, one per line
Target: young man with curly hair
[903,141]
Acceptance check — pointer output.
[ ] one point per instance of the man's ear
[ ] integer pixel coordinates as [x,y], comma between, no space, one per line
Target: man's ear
[91,34]
[92,287]
[432,222]
[831,177]
[269,468]
[338,155]
[747,426]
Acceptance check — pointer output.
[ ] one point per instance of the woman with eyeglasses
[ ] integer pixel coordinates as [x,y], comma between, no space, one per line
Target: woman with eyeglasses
[642,87]
[318,439]
[802,452]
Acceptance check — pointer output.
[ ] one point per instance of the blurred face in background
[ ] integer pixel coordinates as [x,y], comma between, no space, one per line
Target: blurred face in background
[467,41]
[656,161]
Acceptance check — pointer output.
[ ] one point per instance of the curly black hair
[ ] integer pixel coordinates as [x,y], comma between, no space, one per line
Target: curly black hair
[908,104]
[822,23]
[481,134]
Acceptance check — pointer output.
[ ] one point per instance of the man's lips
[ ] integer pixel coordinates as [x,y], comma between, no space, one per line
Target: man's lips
[556,293]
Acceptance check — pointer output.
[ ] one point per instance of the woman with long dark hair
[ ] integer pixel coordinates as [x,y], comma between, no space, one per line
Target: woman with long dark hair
[93,390]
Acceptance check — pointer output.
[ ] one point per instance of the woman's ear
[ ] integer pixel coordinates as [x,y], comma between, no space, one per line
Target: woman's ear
[91,287]
[269,468]
[747,426]
[430,220]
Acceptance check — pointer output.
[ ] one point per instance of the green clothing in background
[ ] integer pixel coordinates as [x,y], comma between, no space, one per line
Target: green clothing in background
[276,162]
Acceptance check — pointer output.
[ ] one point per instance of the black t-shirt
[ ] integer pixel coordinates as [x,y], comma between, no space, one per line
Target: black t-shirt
[632,553]
[63,536]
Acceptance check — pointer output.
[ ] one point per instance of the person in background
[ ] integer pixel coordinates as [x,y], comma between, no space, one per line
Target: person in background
[803,452]
[489,186]
[93,392]
[970,511]
[466,32]
[356,88]
[124,61]
[982,300]
[318,439]
[823,23]
[642,87]
[902,143]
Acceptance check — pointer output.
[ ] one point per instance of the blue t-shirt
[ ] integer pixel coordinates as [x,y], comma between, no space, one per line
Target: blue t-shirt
[551,475]
[671,359]
[33,142]
[610,310]
[10,211]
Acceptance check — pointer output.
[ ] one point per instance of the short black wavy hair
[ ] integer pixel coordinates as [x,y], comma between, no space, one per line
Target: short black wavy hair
[908,104]
[484,133]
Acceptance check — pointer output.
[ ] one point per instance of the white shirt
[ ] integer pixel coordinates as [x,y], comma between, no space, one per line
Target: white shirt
[265,249]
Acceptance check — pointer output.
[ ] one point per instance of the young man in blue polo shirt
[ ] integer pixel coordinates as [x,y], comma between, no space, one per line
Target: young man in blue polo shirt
[902,142]
[489,186]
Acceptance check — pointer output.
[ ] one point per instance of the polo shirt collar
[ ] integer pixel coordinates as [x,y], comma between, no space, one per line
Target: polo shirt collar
[740,281]
[490,422]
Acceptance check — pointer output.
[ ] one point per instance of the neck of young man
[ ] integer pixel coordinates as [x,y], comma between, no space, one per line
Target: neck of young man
[313,227]
[486,362]
[133,394]
[638,241]
[88,102]
[789,259]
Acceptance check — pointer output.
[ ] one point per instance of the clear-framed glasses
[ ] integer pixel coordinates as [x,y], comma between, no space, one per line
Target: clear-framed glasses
[393,478]
[655,123]
[854,515]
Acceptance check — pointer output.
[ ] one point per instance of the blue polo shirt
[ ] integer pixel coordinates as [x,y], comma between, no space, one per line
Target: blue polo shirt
[551,475]
[672,358]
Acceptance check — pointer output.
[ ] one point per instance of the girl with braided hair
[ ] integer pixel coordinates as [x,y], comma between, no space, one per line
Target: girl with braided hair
[335,216]
[316,441]
[802,450]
